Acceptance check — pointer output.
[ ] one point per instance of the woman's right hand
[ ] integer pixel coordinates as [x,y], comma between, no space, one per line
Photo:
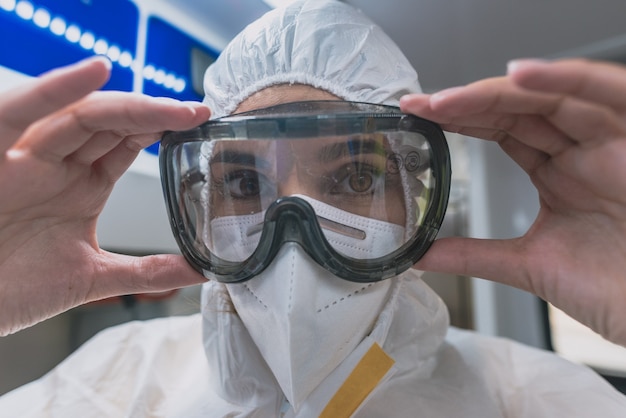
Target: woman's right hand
[62,148]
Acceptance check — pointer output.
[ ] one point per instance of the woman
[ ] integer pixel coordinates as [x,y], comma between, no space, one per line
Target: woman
[308,50]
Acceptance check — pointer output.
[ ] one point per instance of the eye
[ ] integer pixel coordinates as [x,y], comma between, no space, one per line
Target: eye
[355,179]
[360,182]
[244,184]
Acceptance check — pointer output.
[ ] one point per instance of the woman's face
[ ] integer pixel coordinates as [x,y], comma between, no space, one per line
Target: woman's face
[348,176]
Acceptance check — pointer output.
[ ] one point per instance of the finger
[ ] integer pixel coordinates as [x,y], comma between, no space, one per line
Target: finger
[492,95]
[585,122]
[42,96]
[105,141]
[599,82]
[99,144]
[130,275]
[114,163]
[578,120]
[118,113]
[591,181]
[532,130]
[528,158]
[589,94]
[497,260]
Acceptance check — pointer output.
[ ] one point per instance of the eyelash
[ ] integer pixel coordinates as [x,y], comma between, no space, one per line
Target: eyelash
[346,174]
[332,183]
[222,184]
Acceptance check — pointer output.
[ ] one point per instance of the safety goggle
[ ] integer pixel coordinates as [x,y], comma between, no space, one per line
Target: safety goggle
[363,188]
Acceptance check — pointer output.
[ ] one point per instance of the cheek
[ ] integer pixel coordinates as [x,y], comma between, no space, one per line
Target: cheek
[396,209]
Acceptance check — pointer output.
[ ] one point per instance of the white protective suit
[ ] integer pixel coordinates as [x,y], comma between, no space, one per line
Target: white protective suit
[410,363]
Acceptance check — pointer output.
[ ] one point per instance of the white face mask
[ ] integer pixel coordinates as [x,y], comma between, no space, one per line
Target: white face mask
[303,319]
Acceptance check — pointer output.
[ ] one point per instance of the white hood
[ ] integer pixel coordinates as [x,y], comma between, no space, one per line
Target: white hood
[325,44]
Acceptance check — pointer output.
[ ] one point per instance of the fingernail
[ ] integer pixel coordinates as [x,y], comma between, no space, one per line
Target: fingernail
[195,107]
[520,64]
[101,58]
[195,104]
[168,101]
[198,107]
[440,95]
[407,98]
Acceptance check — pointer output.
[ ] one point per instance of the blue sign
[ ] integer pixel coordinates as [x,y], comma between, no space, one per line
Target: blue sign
[175,64]
[40,35]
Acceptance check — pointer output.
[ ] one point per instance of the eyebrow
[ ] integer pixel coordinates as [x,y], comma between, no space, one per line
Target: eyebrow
[239,158]
[351,147]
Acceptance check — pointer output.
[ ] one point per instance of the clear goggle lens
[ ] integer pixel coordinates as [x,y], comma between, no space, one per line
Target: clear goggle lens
[362,187]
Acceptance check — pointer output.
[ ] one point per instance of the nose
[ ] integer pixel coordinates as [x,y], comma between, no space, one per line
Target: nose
[286,170]
[294,175]
[291,185]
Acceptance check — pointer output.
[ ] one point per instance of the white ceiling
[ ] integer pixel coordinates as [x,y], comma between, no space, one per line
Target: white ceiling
[453,42]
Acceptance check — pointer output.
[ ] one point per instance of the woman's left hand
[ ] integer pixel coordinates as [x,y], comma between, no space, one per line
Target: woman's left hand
[564,123]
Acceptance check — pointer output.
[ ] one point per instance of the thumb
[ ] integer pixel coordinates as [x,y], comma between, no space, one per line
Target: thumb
[495,260]
[125,275]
